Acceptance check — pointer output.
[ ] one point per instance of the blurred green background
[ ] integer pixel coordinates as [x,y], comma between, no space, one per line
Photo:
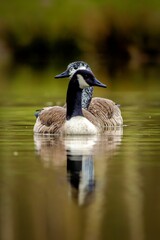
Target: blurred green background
[118,39]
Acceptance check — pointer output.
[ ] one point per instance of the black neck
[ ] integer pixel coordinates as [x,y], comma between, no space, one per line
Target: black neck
[74,98]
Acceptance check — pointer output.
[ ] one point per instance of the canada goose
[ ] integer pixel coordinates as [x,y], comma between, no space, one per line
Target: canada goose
[106,111]
[71,120]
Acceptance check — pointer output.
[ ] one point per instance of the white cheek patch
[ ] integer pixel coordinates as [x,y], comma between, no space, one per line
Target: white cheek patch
[82,82]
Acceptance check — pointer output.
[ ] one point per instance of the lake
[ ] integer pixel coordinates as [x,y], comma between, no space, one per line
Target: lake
[84,187]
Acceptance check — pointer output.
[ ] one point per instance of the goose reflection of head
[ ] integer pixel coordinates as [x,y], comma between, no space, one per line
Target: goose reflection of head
[80,152]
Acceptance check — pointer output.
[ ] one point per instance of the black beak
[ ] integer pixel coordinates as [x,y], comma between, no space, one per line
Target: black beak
[98,83]
[63,74]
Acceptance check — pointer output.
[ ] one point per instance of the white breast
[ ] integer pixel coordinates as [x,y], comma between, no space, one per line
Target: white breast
[79,125]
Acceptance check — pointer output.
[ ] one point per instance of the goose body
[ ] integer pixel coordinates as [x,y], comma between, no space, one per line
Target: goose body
[72,119]
[80,125]
[104,110]
[52,120]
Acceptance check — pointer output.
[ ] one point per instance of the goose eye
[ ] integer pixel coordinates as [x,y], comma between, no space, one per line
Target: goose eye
[86,75]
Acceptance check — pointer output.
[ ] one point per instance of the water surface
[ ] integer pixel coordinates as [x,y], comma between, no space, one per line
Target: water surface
[99,187]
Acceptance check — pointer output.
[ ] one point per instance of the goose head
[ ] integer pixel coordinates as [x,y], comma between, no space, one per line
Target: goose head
[72,68]
[86,79]
[69,72]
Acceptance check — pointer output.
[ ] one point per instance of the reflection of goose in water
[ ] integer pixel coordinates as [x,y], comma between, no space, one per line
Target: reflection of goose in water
[81,174]
[80,152]
[80,167]
[115,204]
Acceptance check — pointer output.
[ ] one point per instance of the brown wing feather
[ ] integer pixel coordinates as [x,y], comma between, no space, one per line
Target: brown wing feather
[50,120]
[106,111]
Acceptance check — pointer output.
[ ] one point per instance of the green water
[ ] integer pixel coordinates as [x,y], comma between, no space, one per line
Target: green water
[105,187]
